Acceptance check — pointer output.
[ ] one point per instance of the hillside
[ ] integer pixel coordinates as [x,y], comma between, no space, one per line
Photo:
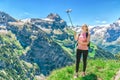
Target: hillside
[97,69]
[39,46]
[118,56]
[42,49]
[69,45]
[11,66]
[5,18]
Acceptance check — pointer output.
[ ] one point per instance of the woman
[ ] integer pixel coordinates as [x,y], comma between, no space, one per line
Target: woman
[82,48]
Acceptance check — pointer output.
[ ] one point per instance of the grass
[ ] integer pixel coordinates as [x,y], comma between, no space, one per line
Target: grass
[9,40]
[61,43]
[118,56]
[11,66]
[69,31]
[96,69]
[94,48]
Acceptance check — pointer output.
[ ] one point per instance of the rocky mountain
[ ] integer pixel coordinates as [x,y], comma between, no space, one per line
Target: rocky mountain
[107,36]
[11,66]
[42,49]
[52,21]
[97,52]
[53,24]
[46,43]
[5,18]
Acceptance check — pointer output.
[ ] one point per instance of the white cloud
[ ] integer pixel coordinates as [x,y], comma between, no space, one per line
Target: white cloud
[97,21]
[101,22]
[27,13]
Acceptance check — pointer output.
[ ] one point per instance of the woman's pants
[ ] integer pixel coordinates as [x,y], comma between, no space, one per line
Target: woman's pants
[78,57]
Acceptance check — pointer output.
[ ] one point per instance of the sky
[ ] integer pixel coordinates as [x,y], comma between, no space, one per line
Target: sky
[91,12]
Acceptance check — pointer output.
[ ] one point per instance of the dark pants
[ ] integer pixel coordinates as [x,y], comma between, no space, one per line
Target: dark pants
[78,57]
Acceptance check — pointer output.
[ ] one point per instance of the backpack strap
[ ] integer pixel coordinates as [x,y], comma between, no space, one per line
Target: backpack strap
[86,37]
[86,34]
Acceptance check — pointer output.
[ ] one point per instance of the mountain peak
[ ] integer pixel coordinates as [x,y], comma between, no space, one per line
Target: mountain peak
[5,18]
[54,16]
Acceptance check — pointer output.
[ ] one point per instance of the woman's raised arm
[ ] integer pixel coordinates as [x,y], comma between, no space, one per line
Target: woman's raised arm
[75,36]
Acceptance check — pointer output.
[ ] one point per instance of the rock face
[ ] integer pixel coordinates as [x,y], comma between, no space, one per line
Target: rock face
[55,17]
[5,18]
[43,50]
[52,21]
[48,55]
[53,24]
[109,36]
[11,67]
[38,46]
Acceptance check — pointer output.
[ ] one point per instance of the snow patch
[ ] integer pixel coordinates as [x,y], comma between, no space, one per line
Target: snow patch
[27,20]
[48,19]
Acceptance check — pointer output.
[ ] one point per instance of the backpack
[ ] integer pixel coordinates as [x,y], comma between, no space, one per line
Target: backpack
[86,37]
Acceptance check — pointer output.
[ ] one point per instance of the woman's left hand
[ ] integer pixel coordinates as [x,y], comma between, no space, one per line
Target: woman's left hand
[80,42]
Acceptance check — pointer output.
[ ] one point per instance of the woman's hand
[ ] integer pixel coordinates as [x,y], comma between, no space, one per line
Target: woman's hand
[74,33]
[83,43]
[87,42]
[79,42]
[75,36]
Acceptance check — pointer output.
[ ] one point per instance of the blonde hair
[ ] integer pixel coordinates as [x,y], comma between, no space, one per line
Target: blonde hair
[85,25]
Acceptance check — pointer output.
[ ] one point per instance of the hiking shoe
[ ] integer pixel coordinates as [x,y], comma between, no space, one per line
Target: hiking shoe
[83,74]
[76,75]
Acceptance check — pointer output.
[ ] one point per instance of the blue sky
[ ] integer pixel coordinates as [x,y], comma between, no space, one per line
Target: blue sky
[91,12]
